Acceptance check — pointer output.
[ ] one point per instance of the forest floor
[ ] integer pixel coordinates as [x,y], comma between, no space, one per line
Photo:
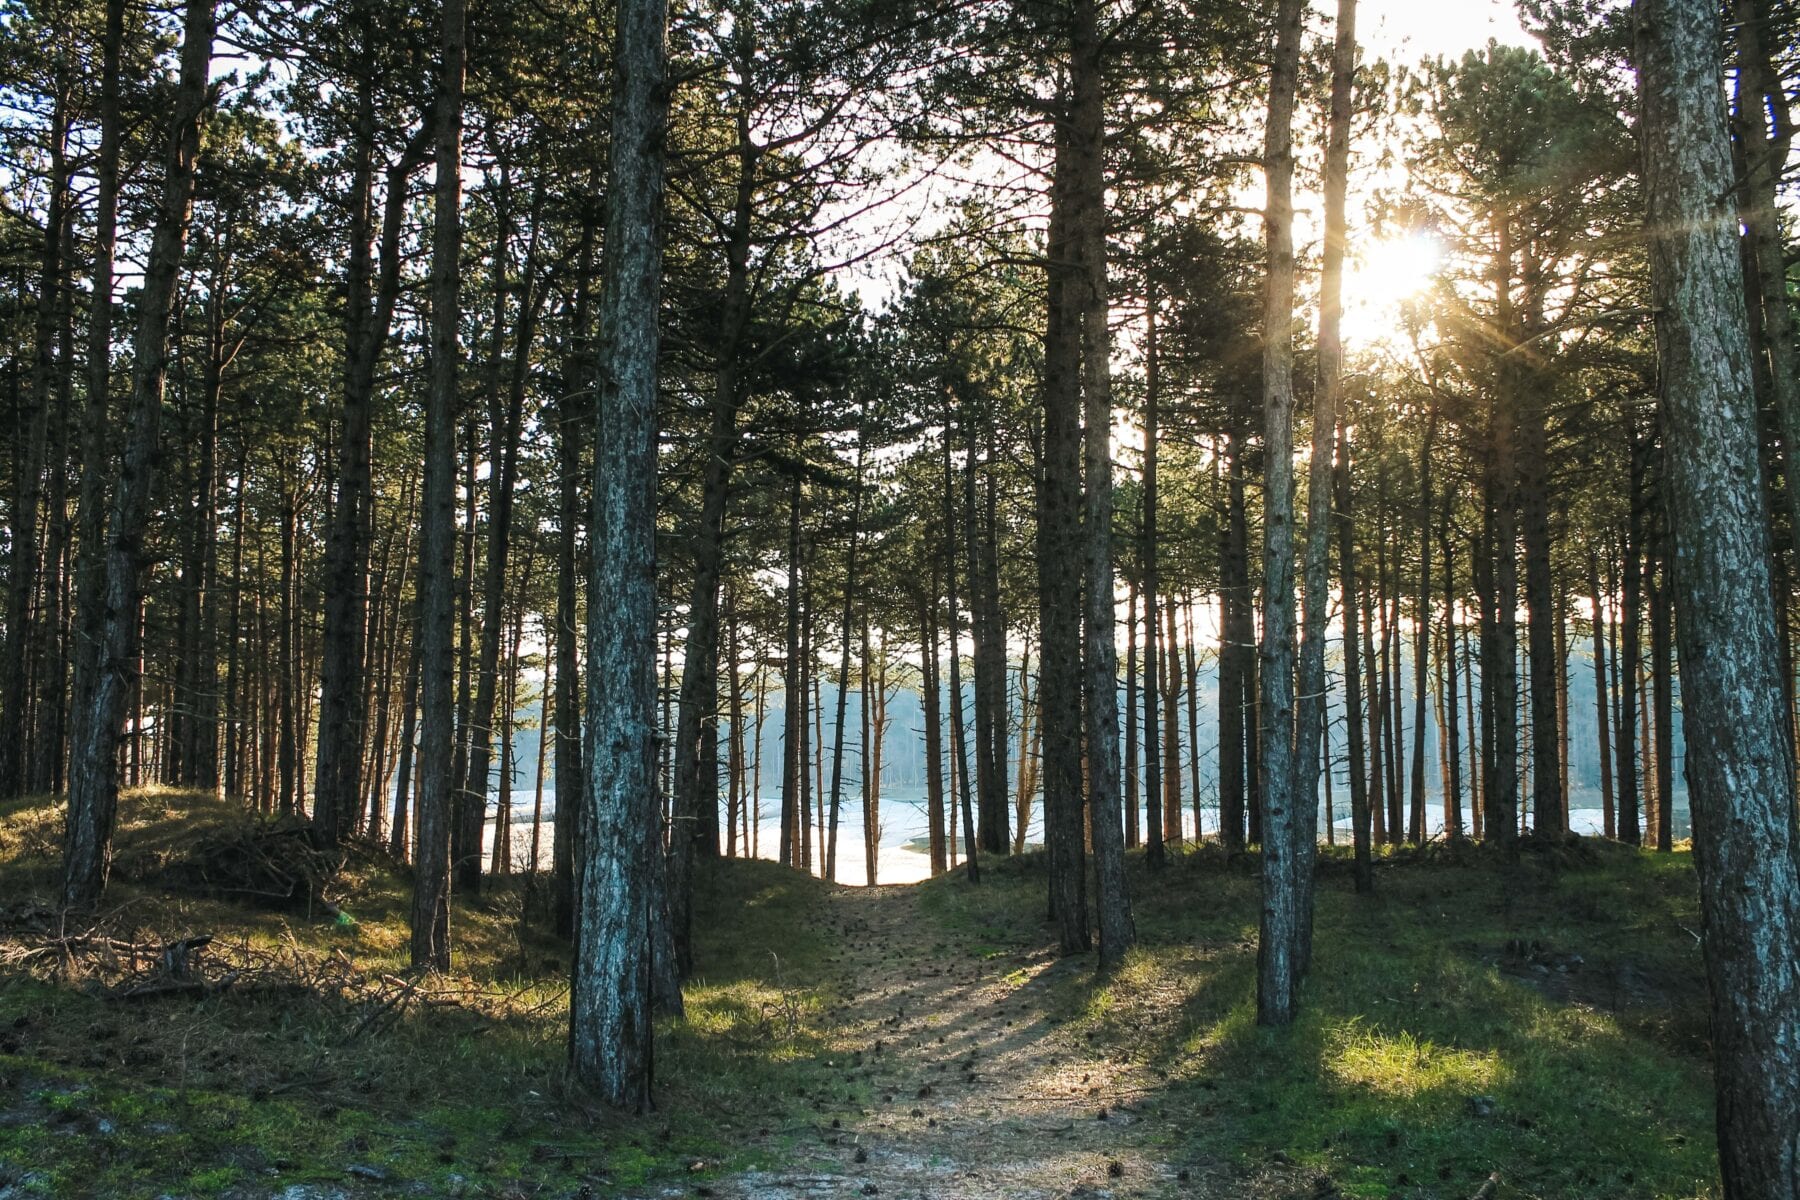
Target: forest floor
[1544,1019]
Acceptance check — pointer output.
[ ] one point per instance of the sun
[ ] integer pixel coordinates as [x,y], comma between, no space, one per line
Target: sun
[1383,275]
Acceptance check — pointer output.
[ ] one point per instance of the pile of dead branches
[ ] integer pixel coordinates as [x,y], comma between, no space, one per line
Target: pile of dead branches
[128,967]
[280,864]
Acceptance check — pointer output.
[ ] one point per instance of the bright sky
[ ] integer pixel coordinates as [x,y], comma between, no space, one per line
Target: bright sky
[1409,30]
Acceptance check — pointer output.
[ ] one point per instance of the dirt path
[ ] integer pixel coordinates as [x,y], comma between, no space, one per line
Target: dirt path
[976,1090]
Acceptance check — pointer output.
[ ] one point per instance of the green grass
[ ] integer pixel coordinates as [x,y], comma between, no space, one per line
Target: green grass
[1429,1052]
[241,1095]
[1426,1054]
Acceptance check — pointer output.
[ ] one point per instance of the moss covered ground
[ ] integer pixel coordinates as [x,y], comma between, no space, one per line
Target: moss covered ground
[1544,1019]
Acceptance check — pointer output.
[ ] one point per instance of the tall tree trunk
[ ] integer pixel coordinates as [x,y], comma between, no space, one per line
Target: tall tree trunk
[1549,812]
[93,782]
[934,748]
[1662,675]
[1739,763]
[1454,825]
[792,684]
[505,423]
[1099,631]
[1327,394]
[1422,631]
[696,798]
[1058,545]
[843,680]
[49,750]
[90,502]
[437,531]
[871,756]
[959,751]
[1234,598]
[1500,671]
[1171,739]
[1602,713]
[1765,128]
[611,1002]
[1154,851]
[337,783]
[22,617]
[1630,657]
[400,840]
[734,775]
[988,649]
[1279,966]
[572,420]
[1029,729]
[1131,715]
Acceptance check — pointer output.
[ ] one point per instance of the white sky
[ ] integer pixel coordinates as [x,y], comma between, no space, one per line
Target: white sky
[1408,30]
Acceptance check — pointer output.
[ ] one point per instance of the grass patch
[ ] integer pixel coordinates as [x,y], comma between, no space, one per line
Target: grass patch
[244,1095]
[1546,1019]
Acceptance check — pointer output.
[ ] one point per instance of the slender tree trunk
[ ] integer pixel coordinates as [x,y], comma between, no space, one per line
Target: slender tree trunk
[843,682]
[792,681]
[1500,671]
[337,776]
[93,782]
[1327,394]
[1170,676]
[1662,675]
[400,841]
[1422,631]
[1058,545]
[1454,827]
[1154,852]
[1029,728]
[90,503]
[1192,689]
[959,752]
[1630,658]
[29,452]
[1353,690]
[696,795]
[437,531]
[1131,716]
[1602,715]
[571,419]
[934,750]
[1088,119]
[987,647]
[871,757]
[1279,946]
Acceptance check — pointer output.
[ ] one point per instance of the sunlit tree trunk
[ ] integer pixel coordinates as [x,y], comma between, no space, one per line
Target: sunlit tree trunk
[1278,946]
[611,1001]
[98,724]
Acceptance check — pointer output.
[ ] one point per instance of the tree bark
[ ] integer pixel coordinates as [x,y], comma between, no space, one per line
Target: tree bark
[98,727]
[1088,133]
[610,1033]
[1279,964]
[437,532]
[1327,393]
[959,752]
[1739,762]
[1059,545]
[1347,587]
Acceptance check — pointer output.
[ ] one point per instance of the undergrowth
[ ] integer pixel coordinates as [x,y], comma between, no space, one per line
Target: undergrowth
[1545,1019]
[243,1093]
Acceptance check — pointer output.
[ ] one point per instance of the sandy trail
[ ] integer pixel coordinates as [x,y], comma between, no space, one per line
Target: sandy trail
[977,1090]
